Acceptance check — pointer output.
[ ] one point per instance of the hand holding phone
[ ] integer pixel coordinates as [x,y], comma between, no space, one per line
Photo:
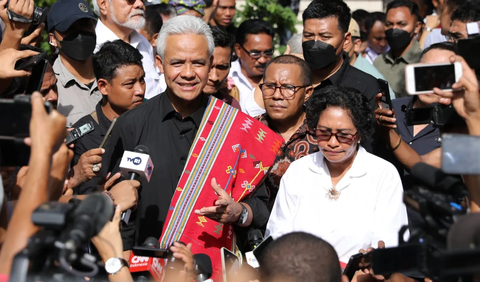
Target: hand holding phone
[386,102]
[422,78]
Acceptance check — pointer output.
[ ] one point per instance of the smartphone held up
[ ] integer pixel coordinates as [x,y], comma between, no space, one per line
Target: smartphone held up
[422,78]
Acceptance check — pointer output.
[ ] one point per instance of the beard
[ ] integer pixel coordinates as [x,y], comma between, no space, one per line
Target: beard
[130,23]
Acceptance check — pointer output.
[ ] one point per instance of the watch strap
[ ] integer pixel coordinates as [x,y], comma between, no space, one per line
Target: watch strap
[17,18]
[428,29]
[243,216]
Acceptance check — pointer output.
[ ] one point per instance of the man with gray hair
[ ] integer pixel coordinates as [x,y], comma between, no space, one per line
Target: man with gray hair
[167,125]
[119,19]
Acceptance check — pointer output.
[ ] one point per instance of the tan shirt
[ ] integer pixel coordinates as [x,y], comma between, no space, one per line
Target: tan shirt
[393,69]
[75,99]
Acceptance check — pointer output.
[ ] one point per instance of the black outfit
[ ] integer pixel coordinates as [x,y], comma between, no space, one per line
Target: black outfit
[156,125]
[348,76]
[427,140]
[90,141]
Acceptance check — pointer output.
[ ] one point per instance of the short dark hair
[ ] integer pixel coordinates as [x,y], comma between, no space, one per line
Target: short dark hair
[320,9]
[208,3]
[346,98]
[300,257]
[153,19]
[221,38]
[359,16]
[114,55]
[167,9]
[305,70]
[469,11]
[255,26]
[448,46]
[412,7]
[371,19]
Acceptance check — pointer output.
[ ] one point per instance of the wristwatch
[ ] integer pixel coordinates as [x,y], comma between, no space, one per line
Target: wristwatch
[243,216]
[114,265]
[428,29]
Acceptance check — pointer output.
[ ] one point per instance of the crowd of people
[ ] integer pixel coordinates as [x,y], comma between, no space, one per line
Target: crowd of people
[151,75]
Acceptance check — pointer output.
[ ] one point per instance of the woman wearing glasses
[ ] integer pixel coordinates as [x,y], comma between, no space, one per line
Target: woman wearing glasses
[342,194]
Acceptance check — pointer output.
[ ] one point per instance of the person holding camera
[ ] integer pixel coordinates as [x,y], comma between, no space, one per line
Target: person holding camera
[331,193]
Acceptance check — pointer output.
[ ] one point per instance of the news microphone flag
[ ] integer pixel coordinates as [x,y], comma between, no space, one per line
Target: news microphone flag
[238,151]
[154,266]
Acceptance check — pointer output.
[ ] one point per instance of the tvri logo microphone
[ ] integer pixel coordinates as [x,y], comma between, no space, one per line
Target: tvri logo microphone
[135,161]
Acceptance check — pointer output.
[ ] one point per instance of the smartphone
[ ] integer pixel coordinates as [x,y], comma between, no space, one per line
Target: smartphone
[422,78]
[79,132]
[459,154]
[29,62]
[35,80]
[352,265]
[419,116]
[150,252]
[464,48]
[230,263]
[15,115]
[257,252]
[385,90]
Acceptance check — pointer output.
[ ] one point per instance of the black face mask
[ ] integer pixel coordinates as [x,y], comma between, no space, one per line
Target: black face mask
[79,46]
[398,39]
[318,54]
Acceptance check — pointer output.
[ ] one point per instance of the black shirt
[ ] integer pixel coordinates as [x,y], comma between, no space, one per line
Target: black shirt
[427,140]
[90,141]
[156,125]
[348,76]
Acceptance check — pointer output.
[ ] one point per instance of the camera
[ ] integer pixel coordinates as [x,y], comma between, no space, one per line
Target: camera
[39,16]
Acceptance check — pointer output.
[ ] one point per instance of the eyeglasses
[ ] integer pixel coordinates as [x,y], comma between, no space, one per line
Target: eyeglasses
[326,135]
[258,54]
[287,90]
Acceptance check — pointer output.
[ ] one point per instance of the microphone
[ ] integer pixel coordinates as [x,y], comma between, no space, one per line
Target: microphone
[136,165]
[88,219]
[255,237]
[202,267]
[438,181]
[147,268]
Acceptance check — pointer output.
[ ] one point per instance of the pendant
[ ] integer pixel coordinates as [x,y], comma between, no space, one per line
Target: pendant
[333,194]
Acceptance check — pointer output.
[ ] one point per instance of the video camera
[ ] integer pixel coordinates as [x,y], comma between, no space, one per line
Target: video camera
[438,198]
[57,252]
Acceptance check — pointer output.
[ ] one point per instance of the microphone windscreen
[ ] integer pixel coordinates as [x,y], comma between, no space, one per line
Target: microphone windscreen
[203,265]
[97,208]
[141,149]
[255,235]
[151,242]
[465,233]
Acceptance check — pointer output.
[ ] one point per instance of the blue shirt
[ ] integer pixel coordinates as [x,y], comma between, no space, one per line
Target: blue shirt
[364,65]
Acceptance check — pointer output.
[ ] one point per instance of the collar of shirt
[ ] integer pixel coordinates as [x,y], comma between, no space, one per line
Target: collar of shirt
[167,111]
[236,72]
[301,132]
[103,121]
[358,168]
[65,77]
[406,104]
[411,56]
[104,34]
[340,75]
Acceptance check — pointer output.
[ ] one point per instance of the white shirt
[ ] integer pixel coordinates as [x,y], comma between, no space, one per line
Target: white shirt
[247,98]
[370,207]
[152,79]
[433,37]
[372,55]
